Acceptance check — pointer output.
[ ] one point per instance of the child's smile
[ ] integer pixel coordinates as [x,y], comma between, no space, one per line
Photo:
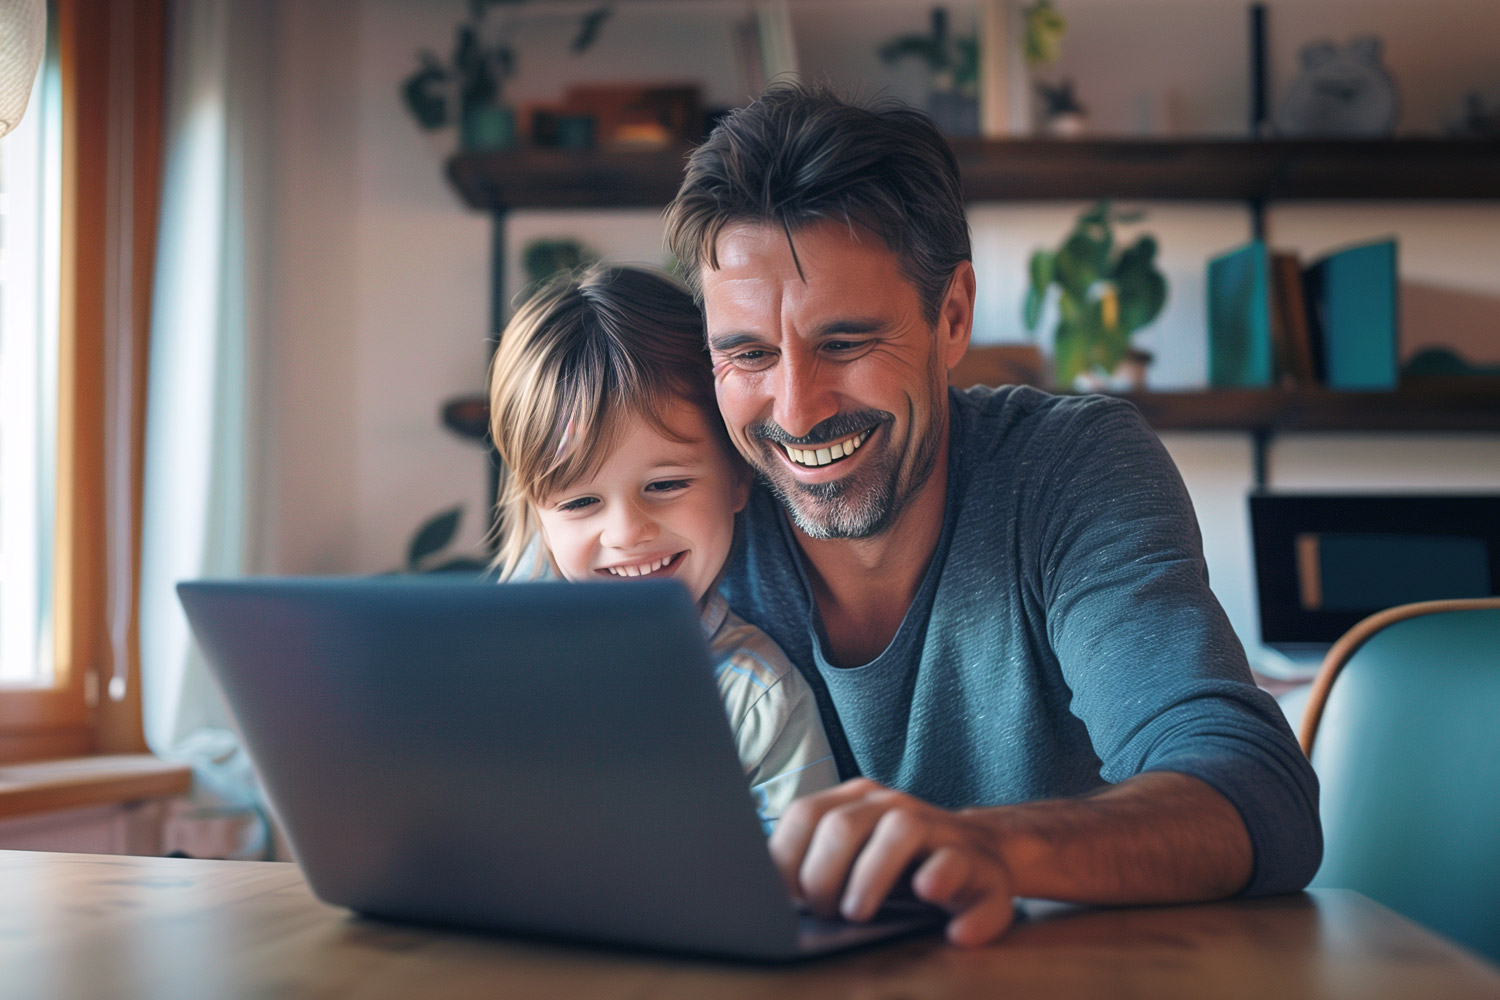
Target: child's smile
[649,567]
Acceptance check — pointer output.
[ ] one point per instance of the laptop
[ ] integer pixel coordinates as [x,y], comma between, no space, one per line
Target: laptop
[549,759]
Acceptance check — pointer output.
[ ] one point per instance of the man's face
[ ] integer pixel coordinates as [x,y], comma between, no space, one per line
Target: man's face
[833,387]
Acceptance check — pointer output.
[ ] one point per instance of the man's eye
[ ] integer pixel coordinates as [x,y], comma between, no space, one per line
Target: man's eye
[667,485]
[844,346]
[753,360]
[578,503]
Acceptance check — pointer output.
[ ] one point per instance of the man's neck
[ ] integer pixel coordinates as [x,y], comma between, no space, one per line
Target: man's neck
[862,587]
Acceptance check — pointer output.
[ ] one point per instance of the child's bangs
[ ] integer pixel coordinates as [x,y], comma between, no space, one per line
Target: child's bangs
[588,425]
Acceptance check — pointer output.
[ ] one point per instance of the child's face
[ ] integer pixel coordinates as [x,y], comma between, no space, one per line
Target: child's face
[656,507]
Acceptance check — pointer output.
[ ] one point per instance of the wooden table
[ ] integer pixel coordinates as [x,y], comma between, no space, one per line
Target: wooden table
[95,926]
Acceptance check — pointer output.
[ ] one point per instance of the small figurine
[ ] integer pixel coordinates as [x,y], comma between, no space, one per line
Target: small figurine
[1478,121]
[1340,93]
[1062,116]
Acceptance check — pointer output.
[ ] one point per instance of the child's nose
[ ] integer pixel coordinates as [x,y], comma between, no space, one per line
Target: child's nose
[628,527]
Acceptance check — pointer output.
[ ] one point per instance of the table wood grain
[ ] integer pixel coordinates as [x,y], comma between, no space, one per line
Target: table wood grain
[94,926]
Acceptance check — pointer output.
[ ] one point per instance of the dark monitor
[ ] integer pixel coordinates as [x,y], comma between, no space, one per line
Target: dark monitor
[1325,561]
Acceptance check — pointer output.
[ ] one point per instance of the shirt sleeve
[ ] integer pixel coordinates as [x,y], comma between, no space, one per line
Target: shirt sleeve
[1157,675]
[780,739]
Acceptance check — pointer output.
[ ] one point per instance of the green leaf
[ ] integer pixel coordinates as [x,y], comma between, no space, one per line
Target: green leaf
[1143,302]
[1043,269]
[1070,354]
[433,536]
[916,46]
[1031,312]
[1081,262]
[1042,37]
[1140,255]
[588,28]
[1096,216]
[1142,288]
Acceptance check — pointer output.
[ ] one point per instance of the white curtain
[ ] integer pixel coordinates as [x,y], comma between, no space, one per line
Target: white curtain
[209,283]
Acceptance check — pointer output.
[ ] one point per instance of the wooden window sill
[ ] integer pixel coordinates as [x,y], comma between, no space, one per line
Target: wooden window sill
[79,782]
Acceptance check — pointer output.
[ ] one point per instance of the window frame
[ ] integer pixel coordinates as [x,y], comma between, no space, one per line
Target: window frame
[110,58]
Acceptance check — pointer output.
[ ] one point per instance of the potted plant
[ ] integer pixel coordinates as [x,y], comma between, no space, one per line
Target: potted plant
[472,81]
[1104,295]
[953,65]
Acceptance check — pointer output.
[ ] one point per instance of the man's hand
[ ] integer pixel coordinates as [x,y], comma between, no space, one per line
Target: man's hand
[844,850]
[1158,837]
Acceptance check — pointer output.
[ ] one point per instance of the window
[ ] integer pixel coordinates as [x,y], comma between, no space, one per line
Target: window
[30,215]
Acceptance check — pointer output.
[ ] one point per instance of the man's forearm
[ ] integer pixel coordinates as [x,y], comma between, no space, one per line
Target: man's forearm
[1158,837]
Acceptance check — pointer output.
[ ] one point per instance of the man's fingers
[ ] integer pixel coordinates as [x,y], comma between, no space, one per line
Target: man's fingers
[841,837]
[795,829]
[983,922]
[971,887]
[945,879]
[899,837]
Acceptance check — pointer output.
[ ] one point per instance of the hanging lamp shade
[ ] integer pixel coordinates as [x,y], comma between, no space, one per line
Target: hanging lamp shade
[23,36]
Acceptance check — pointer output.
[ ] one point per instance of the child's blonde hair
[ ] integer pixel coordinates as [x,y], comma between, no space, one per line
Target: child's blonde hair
[581,352]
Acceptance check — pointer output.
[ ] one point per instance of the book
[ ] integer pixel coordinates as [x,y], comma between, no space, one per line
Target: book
[1239,319]
[1292,327]
[1354,293]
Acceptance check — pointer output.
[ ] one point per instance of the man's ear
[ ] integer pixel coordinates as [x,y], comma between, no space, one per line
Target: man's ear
[956,315]
[739,495]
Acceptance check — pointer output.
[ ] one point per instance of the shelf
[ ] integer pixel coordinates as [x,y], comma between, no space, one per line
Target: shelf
[556,178]
[1018,169]
[1459,404]
[56,785]
[1240,170]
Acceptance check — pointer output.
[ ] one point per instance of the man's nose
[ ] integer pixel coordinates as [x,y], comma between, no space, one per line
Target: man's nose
[804,397]
[628,526]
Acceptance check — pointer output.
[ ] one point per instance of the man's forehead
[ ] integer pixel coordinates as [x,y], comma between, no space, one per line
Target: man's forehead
[815,259]
[760,243]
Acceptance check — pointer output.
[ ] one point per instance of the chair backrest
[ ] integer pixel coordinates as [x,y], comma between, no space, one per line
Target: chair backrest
[1403,729]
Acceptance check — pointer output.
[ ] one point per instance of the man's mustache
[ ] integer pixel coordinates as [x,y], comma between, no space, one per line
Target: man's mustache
[840,425]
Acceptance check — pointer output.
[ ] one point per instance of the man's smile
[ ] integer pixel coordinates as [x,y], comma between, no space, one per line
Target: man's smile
[826,454]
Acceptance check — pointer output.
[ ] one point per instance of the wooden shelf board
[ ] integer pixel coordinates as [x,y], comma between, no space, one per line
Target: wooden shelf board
[55,785]
[1459,404]
[1039,169]
[1462,405]
[555,178]
[1229,169]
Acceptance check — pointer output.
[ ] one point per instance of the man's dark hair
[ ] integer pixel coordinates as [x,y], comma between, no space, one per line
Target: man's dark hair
[801,154]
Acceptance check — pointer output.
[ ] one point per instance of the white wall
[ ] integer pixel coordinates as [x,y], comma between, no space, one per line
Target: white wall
[381,291]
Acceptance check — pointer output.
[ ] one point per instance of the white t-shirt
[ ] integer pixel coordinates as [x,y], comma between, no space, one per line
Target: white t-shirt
[772,712]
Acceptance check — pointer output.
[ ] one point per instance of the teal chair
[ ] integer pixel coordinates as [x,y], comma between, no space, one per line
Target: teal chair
[1403,730]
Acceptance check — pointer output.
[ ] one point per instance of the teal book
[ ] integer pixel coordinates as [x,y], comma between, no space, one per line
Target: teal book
[1354,295]
[1240,352]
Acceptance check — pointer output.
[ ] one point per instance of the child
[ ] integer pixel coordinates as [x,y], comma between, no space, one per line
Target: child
[602,408]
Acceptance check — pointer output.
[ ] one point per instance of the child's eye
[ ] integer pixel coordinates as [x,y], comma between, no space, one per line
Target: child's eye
[577,503]
[667,485]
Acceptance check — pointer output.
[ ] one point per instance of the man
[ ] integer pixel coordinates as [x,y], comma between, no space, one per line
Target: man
[998,596]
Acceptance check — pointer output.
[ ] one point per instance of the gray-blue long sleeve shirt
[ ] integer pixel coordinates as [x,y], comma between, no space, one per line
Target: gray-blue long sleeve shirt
[1064,635]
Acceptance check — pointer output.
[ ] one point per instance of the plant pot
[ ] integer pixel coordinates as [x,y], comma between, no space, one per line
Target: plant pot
[1129,375]
[953,112]
[488,126]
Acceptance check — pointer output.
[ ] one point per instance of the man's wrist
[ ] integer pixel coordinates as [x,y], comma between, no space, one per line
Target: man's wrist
[1011,842]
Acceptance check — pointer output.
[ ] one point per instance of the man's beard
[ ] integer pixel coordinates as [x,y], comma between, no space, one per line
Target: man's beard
[862,504]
